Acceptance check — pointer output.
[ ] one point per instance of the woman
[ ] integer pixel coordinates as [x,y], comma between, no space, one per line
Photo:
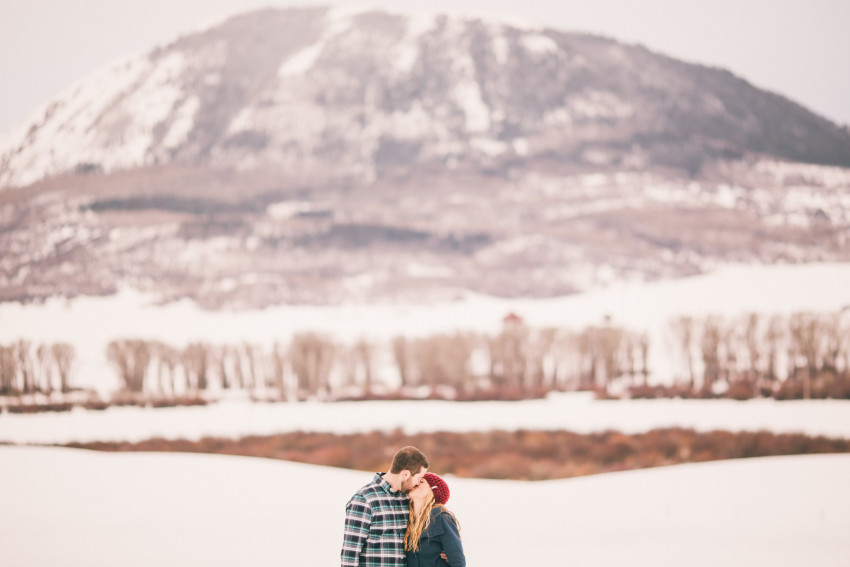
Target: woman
[432,531]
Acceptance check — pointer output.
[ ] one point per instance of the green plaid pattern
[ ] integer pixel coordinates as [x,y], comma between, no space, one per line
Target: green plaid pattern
[375,522]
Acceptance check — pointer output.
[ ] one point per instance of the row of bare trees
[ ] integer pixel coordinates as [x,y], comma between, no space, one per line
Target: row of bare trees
[520,361]
[517,362]
[805,349]
[763,355]
[28,368]
[152,367]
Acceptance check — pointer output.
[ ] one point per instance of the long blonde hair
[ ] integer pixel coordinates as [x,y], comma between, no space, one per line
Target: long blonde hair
[419,523]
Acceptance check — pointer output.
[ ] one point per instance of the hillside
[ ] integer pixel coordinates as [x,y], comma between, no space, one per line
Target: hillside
[319,156]
[170,510]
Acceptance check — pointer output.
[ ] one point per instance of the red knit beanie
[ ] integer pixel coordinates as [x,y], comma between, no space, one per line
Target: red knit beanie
[438,487]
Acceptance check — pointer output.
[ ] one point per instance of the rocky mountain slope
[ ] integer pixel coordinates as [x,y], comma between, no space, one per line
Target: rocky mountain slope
[315,155]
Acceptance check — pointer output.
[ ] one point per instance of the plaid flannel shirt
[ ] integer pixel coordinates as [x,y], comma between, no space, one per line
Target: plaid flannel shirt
[375,522]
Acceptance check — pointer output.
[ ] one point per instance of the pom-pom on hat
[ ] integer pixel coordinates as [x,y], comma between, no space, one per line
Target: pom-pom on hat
[438,487]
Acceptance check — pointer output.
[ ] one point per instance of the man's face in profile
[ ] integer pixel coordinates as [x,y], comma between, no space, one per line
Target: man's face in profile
[409,483]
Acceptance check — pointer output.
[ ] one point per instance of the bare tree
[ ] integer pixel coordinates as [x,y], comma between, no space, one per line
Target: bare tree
[44,356]
[23,354]
[844,342]
[643,344]
[568,360]
[346,357]
[196,361]
[683,330]
[131,358]
[541,345]
[806,334]
[403,358]
[444,360]
[710,346]
[774,336]
[364,352]
[728,355]
[835,341]
[609,341]
[311,356]
[221,356]
[509,355]
[252,370]
[8,371]
[279,369]
[239,369]
[456,360]
[169,360]
[588,360]
[753,341]
[601,347]
[63,356]
[426,359]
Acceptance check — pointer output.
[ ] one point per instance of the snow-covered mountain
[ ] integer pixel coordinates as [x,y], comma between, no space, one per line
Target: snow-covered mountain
[302,90]
[315,155]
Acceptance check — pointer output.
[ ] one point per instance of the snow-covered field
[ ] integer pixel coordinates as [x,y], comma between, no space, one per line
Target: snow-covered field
[89,323]
[78,508]
[577,412]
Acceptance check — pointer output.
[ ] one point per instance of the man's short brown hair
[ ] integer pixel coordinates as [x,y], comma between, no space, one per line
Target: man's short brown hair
[409,459]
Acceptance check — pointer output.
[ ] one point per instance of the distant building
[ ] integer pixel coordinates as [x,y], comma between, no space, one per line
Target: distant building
[512,319]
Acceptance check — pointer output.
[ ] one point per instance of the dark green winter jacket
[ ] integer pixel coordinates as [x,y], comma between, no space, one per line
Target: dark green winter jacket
[442,535]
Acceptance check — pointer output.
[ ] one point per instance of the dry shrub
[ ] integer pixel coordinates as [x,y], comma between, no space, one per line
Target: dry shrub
[603,394]
[22,408]
[95,405]
[839,390]
[126,398]
[395,395]
[502,394]
[645,392]
[39,408]
[333,456]
[765,390]
[615,448]
[666,445]
[741,390]
[544,469]
[790,389]
[503,466]
[191,401]
[183,401]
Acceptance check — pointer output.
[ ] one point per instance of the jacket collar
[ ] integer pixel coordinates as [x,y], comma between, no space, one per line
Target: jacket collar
[386,487]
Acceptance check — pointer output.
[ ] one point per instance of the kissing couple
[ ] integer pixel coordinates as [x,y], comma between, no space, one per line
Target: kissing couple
[400,519]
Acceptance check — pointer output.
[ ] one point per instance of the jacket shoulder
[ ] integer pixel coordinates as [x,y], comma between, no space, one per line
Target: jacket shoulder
[446,520]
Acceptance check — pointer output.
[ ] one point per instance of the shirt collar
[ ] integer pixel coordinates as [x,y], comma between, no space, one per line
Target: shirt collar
[382,482]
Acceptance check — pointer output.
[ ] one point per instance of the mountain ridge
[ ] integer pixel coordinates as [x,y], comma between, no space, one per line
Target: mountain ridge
[318,156]
[583,97]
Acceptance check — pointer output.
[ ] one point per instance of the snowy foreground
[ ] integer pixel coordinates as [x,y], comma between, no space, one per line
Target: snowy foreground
[89,323]
[577,412]
[78,508]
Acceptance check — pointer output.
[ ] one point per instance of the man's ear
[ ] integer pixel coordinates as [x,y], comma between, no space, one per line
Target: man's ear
[405,474]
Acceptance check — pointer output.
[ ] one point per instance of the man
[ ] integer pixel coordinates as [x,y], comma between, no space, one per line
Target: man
[376,516]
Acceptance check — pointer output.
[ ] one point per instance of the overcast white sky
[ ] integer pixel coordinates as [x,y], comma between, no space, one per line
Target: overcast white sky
[799,48]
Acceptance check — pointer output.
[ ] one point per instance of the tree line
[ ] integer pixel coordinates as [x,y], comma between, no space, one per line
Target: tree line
[29,368]
[803,355]
[516,363]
